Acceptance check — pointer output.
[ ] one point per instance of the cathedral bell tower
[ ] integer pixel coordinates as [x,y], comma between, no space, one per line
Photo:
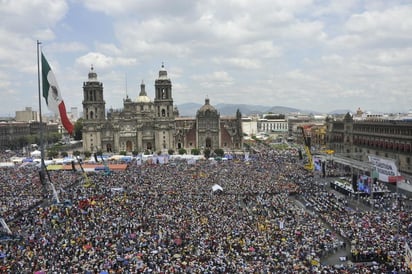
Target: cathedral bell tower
[163,98]
[94,113]
[164,111]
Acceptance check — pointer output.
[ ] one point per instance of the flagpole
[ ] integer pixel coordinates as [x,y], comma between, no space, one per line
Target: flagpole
[42,165]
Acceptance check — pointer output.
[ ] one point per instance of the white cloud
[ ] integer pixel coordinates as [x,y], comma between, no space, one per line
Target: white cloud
[103,62]
[216,79]
[27,15]
[387,27]
[303,53]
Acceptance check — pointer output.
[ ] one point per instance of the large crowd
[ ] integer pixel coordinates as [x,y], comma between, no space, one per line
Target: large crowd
[269,215]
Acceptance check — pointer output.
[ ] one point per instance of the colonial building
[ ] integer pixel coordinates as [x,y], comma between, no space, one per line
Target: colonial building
[145,125]
[16,135]
[273,123]
[357,139]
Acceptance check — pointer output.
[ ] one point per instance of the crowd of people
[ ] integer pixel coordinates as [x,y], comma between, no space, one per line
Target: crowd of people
[169,218]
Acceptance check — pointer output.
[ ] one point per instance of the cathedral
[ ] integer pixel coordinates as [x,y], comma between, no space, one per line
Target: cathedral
[154,126]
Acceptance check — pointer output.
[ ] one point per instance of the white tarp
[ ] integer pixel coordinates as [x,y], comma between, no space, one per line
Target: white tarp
[216,187]
[7,164]
[36,153]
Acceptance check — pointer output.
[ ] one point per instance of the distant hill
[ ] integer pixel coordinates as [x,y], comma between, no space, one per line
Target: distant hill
[190,109]
[339,111]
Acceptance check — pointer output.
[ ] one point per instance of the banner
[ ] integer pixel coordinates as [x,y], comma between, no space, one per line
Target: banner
[386,168]
[408,256]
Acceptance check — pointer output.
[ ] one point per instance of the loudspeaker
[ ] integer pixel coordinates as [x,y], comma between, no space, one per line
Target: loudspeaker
[355,182]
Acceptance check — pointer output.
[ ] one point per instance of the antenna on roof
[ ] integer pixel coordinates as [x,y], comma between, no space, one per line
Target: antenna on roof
[125,83]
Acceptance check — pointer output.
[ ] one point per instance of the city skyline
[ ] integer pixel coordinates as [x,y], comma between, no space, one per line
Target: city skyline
[308,55]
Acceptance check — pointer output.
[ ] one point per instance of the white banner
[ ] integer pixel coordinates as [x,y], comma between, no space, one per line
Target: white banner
[408,256]
[386,168]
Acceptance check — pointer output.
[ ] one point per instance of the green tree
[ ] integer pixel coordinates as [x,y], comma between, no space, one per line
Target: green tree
[76,153]
[53,137]
[206,153]
[78,129]
[22,141]
[87,154]
[52,153]
[122,153]
[182,151]
[219,152]
[195,151]
[135,152]
[64,154]
[170,151]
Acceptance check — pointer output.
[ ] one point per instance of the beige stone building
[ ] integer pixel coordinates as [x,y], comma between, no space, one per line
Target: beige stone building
[154,126]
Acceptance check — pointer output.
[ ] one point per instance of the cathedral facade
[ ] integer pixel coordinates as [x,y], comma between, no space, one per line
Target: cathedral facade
[154,126]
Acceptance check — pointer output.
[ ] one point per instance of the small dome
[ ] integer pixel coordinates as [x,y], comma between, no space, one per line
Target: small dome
[207,107]
[143,98]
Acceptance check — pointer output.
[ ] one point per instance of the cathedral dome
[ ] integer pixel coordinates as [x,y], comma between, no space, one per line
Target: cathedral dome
[207,107]
[143,98]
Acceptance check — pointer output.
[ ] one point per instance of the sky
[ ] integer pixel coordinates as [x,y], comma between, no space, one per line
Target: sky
[306,54]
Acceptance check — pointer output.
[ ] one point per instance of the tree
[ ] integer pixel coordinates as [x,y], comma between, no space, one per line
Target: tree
[52,153]
[76,153]
[53,137]
[122,153]
[182,151]
[87,154]
[206,153]
[219,152]
[64,154]
[195,151]
[170,151]
[22,141]
[78,129]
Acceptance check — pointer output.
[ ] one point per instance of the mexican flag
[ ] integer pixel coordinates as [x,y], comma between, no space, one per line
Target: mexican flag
[51,93]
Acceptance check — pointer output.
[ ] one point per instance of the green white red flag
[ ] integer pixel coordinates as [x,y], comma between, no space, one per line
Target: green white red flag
[51,93]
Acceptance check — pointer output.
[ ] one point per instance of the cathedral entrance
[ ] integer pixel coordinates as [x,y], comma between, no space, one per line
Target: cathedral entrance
[208,142]
[108,147]
[129,146]
[149,146]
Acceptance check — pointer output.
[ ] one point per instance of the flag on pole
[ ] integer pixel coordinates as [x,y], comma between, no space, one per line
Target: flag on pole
[51,93]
